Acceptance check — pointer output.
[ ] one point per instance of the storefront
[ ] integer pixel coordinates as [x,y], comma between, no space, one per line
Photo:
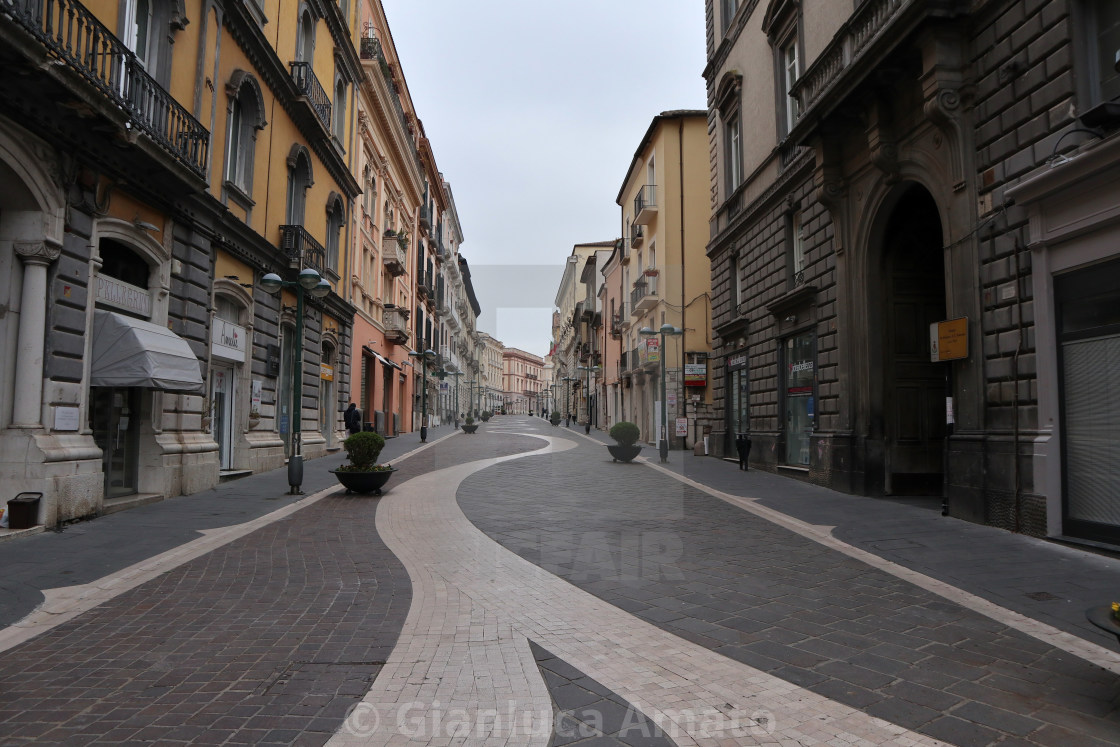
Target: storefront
[798,391]
[1074,210]
[228,350]
[737,397]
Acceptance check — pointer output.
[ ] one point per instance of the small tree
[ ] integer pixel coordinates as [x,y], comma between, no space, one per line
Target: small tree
[554,418]
[624,432]
[363,449]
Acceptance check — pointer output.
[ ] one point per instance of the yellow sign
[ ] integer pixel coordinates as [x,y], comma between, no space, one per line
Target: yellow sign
[326,373]
[948,340]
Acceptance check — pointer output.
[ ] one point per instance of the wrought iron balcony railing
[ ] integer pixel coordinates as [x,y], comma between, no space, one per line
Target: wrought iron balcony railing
[73,35]
[645,203]
[302,249]
[308,84]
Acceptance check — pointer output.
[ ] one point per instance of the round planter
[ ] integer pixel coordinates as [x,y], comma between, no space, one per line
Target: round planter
[363,482]
[554,423]
[621,453]
[470,428]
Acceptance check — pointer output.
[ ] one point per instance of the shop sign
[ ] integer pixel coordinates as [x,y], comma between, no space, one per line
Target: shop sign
[735,361]
[112,292]
[653,350]
[228,341]
[948,340]
[696,374]
[326,373]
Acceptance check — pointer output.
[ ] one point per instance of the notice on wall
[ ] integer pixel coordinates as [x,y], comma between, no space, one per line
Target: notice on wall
[66,419]
[256,395]
[682,426]
[948,340]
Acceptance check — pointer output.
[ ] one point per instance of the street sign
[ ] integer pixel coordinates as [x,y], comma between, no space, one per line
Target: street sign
[948,340]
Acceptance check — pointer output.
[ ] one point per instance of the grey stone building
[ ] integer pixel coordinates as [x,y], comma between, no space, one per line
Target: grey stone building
[882,166]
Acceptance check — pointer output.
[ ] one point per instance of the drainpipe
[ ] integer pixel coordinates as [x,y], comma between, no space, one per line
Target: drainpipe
[684,309]
[1018,501]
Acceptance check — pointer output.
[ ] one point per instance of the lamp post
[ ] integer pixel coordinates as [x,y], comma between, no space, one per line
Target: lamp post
[666,329]
[588,369]
[309,281]
[424,357]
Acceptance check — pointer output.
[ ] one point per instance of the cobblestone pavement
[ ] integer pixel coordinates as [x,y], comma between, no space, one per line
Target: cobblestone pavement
[265,640]
[527,591]
[725,579]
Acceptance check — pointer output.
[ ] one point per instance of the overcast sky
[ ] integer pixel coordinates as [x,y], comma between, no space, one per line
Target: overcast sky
[534,111]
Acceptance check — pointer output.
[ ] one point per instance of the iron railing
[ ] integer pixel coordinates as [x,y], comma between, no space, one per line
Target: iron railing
[75,36]
[646,198]
[642,288]
[302,249]
[308,84]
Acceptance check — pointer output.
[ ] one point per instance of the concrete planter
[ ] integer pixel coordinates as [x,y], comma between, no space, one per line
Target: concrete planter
[624,452]
[363,482]
[470,428]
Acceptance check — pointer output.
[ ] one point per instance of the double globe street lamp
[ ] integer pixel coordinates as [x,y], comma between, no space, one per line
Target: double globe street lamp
[425,358]
[311,282]
[666,329]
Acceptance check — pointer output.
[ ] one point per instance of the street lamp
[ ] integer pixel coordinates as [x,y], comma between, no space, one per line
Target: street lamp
[568,401]
[427,355]
[587,394]
[666,329]
[311,282]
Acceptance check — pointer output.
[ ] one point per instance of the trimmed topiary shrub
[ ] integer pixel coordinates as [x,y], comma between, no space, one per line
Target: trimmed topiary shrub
[363,449]
[624,432]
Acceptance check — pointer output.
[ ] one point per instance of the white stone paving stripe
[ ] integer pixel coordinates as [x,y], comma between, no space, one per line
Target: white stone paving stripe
[474,601]
[67,602]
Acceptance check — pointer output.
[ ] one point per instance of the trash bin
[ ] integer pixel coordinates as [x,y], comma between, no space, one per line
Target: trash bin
[23,511]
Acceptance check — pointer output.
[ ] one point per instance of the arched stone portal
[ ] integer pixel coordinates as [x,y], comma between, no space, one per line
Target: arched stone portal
[908,409]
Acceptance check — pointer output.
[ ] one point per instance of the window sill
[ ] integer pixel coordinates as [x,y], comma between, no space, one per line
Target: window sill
[238,195]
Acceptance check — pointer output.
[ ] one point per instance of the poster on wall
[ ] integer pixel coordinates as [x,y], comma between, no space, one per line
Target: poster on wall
[696,374]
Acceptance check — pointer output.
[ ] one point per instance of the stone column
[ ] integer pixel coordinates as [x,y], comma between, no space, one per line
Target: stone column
[28,401]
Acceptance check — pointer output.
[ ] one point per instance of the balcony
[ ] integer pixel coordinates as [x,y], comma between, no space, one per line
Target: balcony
[873,31]
[308,84]
[302,249]
[395,321]
[644,295]
[77,39]
[371,49]
[393,257]
[622,361]
[426,217]
[637,236]
[645,204]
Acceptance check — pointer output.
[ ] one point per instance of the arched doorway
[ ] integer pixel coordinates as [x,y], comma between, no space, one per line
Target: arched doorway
[913,388]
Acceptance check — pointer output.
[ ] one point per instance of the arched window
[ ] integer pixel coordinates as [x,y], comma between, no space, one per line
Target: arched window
[336,215]
[299,180]
[246,117]
[305,37]
[338,113]
[122,263]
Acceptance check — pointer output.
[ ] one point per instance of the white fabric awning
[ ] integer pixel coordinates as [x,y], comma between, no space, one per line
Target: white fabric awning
[130,352]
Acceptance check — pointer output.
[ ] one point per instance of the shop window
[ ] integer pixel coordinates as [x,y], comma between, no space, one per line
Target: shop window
[799,376]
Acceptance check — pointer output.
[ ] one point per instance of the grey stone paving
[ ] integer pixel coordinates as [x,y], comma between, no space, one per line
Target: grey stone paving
[266,640]
[85,551]
[586,713]
[757,593]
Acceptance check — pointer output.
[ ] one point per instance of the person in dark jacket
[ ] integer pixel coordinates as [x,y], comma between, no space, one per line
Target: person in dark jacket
[352,418]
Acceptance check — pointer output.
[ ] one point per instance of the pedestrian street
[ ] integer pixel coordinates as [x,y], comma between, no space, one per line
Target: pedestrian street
[518,587]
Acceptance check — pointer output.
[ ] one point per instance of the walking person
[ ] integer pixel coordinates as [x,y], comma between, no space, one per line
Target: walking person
[352,419]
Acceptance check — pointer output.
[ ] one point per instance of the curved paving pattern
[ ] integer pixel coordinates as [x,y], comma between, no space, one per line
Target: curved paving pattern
[463,659]
[757,593]
[267,640]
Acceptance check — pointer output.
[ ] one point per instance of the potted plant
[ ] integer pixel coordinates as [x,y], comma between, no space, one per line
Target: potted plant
[626,445]
[486,415]
[554,418]
[254,417]
[469,426]
[363,474]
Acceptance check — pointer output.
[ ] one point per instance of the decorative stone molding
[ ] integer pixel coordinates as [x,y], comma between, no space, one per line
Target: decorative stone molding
[42,252]
[882,142]
[945,90]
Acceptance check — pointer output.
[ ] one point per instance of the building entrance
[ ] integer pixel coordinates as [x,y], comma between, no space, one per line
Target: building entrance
[914,387]
[115,421]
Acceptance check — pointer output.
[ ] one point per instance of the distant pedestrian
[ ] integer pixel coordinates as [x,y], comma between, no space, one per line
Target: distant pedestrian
[353,419]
